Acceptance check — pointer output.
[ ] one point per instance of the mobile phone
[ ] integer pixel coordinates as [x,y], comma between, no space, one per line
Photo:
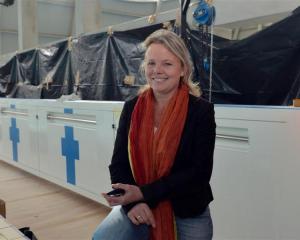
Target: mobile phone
[116,192]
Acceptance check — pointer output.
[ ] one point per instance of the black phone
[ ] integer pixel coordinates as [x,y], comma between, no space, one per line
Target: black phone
[116,192]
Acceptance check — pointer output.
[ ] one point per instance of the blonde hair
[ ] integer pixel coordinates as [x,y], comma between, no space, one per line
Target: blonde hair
[176,46]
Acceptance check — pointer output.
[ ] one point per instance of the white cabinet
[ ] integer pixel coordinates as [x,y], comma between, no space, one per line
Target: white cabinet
[68,143]
[76,147]
[256,170]
[256,164]
[19,137]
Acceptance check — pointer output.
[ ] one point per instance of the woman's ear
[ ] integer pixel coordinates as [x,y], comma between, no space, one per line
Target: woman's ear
[183,71]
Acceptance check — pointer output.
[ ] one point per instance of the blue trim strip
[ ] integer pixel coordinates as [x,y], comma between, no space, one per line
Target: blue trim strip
[68,110]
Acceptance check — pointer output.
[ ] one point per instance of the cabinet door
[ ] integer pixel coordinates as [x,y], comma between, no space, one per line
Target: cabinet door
[19,135]
[76,147]
[256,169]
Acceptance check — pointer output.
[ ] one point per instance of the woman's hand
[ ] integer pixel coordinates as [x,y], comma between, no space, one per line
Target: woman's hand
[132,194]
[141,214]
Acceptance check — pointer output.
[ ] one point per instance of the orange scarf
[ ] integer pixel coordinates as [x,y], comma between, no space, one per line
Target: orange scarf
[152,154]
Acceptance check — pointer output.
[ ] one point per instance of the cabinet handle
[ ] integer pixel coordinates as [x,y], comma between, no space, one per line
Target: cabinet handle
[51,117]
[14,113]
[235,138]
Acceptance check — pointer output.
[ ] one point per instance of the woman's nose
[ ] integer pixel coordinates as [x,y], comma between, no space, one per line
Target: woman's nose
[157,68]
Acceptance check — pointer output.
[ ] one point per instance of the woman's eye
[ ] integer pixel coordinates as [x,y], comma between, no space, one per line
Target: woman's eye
[150,63]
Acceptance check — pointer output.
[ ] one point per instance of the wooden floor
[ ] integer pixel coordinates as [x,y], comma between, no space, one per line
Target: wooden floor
[52,212]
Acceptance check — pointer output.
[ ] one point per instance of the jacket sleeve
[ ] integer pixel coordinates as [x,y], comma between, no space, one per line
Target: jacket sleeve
[120,171]
[196,164]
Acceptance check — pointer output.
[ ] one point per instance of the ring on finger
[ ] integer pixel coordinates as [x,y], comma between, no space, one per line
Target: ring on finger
[138,217]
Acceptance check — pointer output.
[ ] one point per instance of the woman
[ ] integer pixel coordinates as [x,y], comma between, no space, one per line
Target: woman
[163,155]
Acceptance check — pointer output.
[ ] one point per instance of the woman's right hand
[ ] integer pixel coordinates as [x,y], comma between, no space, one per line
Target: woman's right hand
[141,214]
[132,194]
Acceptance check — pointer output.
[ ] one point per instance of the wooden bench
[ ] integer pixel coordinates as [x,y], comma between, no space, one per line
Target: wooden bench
[2,208]
[9,232]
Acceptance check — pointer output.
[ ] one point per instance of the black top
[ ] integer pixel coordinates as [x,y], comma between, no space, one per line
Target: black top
[187,186]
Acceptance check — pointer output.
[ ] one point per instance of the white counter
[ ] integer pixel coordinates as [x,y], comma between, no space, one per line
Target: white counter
[256,169]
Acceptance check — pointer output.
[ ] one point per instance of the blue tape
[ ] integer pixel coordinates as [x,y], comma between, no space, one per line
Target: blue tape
[70,149]
[14,136]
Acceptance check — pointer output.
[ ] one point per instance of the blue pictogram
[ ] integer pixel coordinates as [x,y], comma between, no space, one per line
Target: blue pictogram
[70,149]
[14,136]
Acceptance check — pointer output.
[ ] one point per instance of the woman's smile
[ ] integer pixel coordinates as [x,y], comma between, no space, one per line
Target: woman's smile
[159,79]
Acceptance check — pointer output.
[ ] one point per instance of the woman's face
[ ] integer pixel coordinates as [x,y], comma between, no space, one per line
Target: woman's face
[162,69]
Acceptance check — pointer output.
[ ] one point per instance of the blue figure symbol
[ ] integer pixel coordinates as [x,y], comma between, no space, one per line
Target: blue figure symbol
[14,136]
[70,149]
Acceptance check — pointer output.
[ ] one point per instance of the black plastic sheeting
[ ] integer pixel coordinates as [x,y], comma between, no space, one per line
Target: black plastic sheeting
[262,69]
[39,73]
[104,61]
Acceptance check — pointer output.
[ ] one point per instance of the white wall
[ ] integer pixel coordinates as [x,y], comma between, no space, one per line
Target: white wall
[54,23]
[9,42]
[235,10]
[56,17]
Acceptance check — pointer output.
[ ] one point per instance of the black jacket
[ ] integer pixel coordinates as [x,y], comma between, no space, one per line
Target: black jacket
[187,186]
